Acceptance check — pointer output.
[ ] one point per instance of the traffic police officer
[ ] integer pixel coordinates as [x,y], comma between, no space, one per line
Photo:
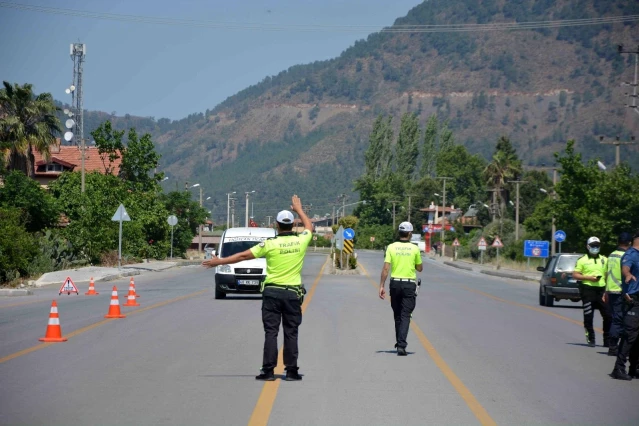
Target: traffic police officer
[402,258]
[629,345]
[613,290]
[590,270]
[282,290]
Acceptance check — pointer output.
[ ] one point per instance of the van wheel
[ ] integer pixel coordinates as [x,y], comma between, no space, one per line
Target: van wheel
[550,301]
[219,294]
[542,298]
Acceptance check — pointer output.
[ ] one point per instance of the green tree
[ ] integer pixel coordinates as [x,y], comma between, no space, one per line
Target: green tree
[429,147]
[139,159]
[505,166]
[467,185]
[407,148]
[108,141]
[38,207]
[17,246]
[27,122]
[189,215]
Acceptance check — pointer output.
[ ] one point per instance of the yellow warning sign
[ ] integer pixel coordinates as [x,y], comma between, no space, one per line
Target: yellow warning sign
[348,246]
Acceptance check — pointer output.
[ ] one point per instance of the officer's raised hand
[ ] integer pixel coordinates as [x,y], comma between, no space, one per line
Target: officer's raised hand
[296,204]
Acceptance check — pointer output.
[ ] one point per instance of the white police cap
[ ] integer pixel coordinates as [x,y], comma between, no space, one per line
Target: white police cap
[285,217]
[406,227]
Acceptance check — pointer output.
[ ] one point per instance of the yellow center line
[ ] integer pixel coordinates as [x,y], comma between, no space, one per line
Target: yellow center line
[265,401]
[24,303]
[97,324]
[534,308]
[477,409]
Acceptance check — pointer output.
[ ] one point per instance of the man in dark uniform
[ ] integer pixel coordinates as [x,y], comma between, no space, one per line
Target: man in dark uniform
[282,291]
[629,346]
[613,290]
[403,259]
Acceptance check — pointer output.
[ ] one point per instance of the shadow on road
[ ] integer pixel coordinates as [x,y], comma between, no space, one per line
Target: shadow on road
[394,352]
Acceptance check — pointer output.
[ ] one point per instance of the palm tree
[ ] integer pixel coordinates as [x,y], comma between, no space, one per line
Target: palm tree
[27,122]
[502,168]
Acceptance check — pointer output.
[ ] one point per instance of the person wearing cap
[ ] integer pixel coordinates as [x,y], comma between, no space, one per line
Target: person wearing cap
[612,296]
[282,290]
[590,271]
[402,259]
[629,346]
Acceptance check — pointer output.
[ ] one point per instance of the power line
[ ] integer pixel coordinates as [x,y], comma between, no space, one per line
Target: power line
[435,28]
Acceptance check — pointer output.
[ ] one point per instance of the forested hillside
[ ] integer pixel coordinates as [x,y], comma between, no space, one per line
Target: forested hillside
[306,129]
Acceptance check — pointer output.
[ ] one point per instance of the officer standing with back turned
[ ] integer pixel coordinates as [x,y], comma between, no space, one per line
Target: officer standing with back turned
[282,291]
[613,290]
[403,259]
[629,346]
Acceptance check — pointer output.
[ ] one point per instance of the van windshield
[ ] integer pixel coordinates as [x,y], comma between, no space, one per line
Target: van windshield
[233,247]
[567,263]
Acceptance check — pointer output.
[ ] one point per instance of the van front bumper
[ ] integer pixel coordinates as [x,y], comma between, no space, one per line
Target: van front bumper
[230,283]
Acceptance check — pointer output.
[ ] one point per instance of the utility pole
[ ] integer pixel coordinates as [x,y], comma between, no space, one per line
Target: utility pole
[443,232]
[232,212]
[554,196]
[228,208]
[343,196]
[394,202]
[517,182]
[409,207]
[246,221]
[269,220]
[199,245]
[333,219]
[616,143]
[634,83]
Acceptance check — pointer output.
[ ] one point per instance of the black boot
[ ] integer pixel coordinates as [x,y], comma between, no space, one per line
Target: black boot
[590,339]
[620,375]
[292,375]
[612,348]
[401,351]
[267,376]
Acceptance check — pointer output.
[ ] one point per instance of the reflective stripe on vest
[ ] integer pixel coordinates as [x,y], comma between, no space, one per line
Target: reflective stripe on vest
[613,282]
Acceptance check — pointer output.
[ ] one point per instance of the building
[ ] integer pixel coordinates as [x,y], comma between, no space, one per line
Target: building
[63,158]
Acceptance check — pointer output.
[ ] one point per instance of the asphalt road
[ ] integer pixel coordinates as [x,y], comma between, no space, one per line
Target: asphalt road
[481,351]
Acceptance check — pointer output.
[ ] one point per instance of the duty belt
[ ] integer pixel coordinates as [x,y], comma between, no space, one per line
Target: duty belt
[299,289]
[405,280]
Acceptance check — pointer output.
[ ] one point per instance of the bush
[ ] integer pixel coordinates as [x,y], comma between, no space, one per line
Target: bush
[55,253]
[17,246]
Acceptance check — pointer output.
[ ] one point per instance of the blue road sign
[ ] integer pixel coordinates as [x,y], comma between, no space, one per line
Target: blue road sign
[560,236]
[534,248]
[349,234]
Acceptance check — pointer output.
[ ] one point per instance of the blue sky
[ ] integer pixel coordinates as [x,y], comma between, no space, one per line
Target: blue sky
[169,70]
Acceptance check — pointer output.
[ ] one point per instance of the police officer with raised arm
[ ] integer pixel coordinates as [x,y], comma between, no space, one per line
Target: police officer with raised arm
[590,270]
[282,290]
[629,346]
[403,259]
[612,297]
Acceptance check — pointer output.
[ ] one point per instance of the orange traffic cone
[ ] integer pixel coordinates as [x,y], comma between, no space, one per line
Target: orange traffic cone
[132,283]
[130,300]
[91,291]
[54,331]
[114,307]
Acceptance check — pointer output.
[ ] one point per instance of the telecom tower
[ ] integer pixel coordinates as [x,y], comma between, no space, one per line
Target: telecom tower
[77,51]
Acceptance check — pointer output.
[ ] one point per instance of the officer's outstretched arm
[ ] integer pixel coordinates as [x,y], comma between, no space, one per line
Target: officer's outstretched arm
[238,257]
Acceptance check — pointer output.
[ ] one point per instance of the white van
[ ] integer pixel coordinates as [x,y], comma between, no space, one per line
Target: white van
[246,276]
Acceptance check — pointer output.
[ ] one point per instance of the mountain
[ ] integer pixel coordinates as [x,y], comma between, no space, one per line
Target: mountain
[305,129]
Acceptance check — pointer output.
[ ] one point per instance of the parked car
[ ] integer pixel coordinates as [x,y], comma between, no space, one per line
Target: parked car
[556,282]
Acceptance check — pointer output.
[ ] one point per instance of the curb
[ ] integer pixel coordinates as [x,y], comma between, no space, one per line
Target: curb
[15,292]
[111,277]
[507,275]
[454,265]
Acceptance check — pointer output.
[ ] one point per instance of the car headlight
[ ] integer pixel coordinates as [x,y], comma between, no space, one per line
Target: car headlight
[224,269]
